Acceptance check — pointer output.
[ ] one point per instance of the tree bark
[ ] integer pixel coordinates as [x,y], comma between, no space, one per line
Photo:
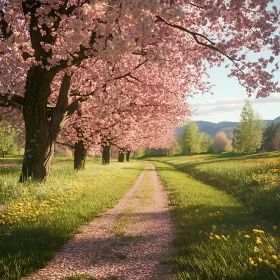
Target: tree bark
[80,154]
[42,128]
[121,156]
[39,143]
[106,154]
[127,155]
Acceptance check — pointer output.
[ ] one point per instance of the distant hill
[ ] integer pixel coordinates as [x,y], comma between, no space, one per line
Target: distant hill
[213,128]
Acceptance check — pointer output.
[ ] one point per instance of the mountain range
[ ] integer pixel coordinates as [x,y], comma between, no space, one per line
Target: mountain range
[213,128]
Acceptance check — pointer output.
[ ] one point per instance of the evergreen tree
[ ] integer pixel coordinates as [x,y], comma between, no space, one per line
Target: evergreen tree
[268,137]
[249,136]
[275,142]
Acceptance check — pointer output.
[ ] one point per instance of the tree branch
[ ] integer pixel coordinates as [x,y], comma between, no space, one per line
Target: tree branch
[60,116]
[196,36]
[11,101]
[65,145]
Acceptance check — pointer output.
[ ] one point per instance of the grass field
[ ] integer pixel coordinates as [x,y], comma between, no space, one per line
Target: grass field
[226,210]
[37,219]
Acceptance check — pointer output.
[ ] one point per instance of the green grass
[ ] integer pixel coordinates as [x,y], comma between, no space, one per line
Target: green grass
[39,218]
[146,189]
[219,235]
[144,193]
[253,179]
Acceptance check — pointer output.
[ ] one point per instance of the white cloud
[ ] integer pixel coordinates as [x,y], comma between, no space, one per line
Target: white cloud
[218,109]
[234,102]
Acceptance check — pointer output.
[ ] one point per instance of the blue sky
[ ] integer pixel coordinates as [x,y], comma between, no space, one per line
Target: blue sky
[228,99]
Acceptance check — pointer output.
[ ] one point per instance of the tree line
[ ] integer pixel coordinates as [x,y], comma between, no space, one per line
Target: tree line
[251,135]
[109,70]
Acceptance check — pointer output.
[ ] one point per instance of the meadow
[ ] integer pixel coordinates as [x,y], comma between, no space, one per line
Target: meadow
[37,219]
[226,210]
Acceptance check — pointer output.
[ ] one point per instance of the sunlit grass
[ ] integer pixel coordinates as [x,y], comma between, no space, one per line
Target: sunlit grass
[219,236]
[37,219]
[253,180]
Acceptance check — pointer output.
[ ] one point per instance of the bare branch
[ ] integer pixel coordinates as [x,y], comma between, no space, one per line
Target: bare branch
[65,144]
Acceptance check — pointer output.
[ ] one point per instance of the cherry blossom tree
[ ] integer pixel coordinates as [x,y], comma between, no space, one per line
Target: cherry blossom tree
[44,42]
[116,117]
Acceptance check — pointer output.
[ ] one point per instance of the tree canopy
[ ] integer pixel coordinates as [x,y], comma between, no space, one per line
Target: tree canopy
[57,55]
[249,134]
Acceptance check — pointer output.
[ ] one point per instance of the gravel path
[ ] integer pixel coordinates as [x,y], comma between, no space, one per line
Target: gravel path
[130,241]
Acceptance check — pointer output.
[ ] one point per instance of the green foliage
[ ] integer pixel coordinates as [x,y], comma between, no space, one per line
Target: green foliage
[249,134]
[228,226]
[139,153]
[205,142]
[39,218]
[7,137]
[190,139]
[271,137]
[276,139]
[155,152]
[193,141]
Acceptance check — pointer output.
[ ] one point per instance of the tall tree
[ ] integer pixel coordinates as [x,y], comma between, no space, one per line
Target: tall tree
[250,130]
[190,138]
[276,138]
[205,142]
[268,137]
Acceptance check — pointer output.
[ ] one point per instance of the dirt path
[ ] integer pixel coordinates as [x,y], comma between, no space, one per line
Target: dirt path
[130,241]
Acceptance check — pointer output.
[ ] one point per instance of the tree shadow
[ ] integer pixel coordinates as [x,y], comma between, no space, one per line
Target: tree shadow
[21,249]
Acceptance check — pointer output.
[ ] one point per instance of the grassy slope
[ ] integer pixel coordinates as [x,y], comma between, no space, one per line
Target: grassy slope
[39,218]
[219,235]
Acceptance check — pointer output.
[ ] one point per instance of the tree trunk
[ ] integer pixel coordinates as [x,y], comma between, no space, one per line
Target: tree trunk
[3,154]
[127,156]
[106,154]
[121,156]
[39,143]
[80,154]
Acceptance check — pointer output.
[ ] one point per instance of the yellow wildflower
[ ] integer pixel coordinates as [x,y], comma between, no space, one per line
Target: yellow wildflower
[223,237]
[270,249]
[252,262]
[247,236]
[258,240]
[258,231]
[256,249]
